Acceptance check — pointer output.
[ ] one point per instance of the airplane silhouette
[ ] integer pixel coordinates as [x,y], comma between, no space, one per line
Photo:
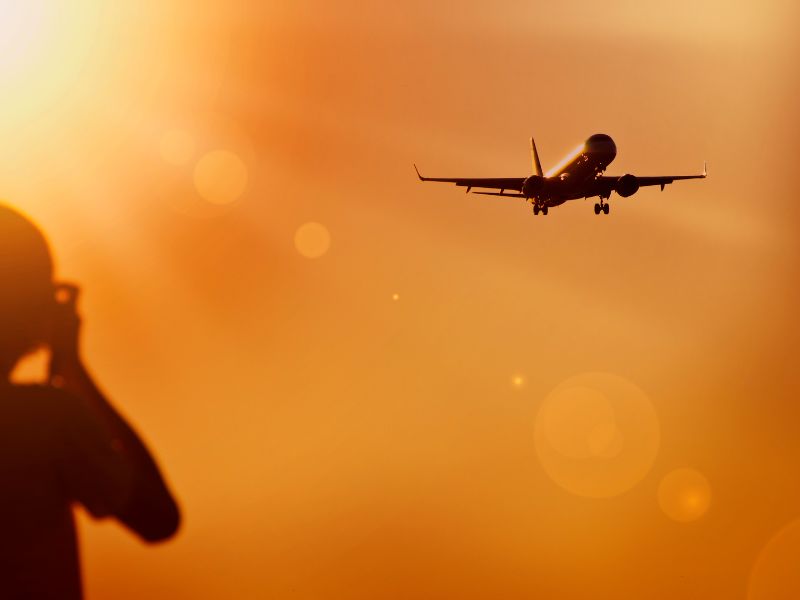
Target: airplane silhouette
[579,175]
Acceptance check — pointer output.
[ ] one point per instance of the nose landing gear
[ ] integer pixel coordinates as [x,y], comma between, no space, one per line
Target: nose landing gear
[539,209]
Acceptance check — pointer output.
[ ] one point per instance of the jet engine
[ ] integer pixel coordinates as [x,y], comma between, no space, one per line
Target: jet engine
[627,185]
[532,186]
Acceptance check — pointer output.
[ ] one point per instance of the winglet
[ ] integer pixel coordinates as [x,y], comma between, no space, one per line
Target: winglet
[705,169]
[421,178]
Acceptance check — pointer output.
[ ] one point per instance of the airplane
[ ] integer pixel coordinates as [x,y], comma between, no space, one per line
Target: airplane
[579,175]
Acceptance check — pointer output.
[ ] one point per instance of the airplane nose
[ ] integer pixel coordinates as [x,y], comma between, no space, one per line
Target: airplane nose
[602,144]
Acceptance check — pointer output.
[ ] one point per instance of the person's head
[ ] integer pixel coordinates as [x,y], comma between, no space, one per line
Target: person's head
[26,287]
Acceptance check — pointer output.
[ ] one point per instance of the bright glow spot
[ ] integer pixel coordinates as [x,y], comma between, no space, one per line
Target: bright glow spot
[220,177]
[518,381]
[177,147]
[776,574]
[395,297]
[46,76]
[566,160]
[312,240]
[22,32]
[684,495]
[596,435]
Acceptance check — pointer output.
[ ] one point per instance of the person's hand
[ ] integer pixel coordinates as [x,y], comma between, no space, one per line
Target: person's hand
[65,336]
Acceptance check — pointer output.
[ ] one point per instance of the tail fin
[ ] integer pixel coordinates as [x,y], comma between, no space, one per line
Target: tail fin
[537,166]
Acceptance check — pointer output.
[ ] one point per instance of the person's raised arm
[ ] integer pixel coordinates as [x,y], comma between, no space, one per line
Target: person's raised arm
[149,510]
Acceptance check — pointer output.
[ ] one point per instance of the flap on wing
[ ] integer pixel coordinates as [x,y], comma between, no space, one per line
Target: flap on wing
[499,194]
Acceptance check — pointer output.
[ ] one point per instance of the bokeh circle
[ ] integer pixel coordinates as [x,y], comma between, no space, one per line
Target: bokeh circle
[776,574]
[220,177]
[684,495]
[596,435]
[312,240]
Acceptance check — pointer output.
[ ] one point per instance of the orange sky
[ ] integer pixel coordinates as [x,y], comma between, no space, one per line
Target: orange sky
[450,398]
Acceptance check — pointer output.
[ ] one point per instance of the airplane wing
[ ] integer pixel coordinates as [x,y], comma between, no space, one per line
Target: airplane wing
[495,183]
[606,183]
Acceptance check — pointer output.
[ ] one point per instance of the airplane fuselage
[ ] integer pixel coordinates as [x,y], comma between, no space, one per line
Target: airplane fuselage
[570,178]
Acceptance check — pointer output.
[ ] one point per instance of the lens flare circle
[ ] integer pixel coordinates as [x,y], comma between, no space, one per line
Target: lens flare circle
[312,240]
[776,574]
[596,435]
[684,495]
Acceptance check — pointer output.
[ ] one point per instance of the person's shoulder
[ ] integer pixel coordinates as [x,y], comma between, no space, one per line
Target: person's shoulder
[37,414]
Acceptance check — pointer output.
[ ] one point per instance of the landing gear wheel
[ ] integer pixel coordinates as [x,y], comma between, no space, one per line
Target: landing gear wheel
[535,209]
[597,209]
[544,210]
[606,208]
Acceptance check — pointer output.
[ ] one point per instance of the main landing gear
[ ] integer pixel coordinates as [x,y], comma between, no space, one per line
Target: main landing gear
[601,207]
[539,209]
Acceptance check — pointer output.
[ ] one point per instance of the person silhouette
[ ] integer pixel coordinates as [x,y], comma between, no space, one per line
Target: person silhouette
[61,442]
